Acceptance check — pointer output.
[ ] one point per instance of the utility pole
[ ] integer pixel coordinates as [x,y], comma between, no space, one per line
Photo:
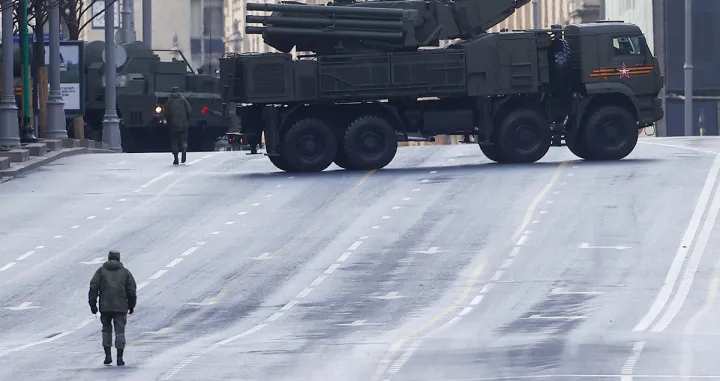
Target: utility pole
[27,130]
[111,122]
[55,106]
[688,70]
[536,14]
[147,22]
[127,32]
[9,129]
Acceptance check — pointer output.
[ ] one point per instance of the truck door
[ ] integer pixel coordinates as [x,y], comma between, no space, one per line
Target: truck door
[631,62]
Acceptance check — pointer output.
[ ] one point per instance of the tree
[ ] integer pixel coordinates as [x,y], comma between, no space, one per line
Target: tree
[73,11]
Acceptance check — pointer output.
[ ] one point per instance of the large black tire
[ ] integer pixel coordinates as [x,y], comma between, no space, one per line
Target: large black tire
[280,163]
[492,152]
[575,143]
[309,146]
[370,143]
[610,133]
[342,160]
[524,137]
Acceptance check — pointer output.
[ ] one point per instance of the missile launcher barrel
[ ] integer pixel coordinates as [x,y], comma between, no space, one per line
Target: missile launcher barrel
[376,26]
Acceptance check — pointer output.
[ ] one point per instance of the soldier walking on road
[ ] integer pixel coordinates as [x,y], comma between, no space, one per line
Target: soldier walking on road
[177,113]
[117,290]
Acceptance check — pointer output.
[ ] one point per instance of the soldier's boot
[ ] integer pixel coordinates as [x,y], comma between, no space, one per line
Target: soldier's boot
[184,156]
[120,361]
[108,356]
[175,162]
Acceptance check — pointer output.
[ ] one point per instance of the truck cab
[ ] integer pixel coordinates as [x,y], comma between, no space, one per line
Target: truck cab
[611,65]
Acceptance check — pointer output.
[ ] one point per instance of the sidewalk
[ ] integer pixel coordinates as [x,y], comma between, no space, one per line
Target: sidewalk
[33,155]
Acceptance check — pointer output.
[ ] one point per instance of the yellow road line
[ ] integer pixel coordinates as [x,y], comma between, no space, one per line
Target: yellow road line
[419,333]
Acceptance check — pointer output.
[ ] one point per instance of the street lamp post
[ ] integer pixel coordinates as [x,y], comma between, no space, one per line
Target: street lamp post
[688,70]
[9,129]
[111,122]
[56,125]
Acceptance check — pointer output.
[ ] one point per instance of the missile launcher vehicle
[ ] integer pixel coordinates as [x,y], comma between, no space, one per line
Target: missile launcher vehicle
[144,85]
[369,74]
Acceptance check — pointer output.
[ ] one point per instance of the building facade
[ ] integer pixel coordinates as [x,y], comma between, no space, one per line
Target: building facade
[195,27]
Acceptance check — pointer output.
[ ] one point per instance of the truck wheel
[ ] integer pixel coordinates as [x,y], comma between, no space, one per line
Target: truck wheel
[524,137]
[610,133]
[370,143]
[309,146]
[576,145]
[492,152]
[342,160]
[280,163]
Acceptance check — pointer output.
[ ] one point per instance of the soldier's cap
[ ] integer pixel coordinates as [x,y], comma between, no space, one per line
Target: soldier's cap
[175,89]
[114,254]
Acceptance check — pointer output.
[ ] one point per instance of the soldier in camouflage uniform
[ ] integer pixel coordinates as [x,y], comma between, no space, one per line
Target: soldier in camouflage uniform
[117,290]
[177,113]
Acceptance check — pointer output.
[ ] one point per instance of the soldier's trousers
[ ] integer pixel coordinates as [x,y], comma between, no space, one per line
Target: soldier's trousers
[119,320]
[178,141]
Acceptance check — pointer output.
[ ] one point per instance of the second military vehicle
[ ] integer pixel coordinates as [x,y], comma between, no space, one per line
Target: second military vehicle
[373,81]
[144,85]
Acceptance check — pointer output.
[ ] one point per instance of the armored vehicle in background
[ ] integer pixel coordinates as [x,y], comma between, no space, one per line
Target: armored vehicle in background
[375,75]
[144,84]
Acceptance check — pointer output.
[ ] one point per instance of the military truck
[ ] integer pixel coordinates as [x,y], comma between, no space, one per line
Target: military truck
[144,85]
[374,74]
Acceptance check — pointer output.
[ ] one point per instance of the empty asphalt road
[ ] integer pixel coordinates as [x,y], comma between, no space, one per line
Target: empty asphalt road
[442,266]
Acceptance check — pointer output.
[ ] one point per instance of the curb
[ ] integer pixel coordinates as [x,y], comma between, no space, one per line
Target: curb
[8,174]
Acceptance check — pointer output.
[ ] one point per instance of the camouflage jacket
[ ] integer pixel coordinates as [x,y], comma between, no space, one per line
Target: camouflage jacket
[177,112]
[116,287]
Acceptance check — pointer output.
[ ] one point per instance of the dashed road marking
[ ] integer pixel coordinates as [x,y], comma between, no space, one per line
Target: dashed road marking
[256,204]
[9,265]
[189,251]
[522,240]
[304,293]
[332,268]
[75,227]
[157,274]
[416,190]
[376,227]
[26,255]
[318,280]
[344,256]
[355,245]
[385,217]
[174,262]
[396,207]
[90,217]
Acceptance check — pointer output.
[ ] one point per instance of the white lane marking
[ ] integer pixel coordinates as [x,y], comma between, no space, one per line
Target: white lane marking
[396,207]
[556,192]
[39,247]
[201,243]
[289,305]
[215,233]
[332,268]
[550,201]
[174,262]
[229,222]
[497,276]
[355,245]
[193,162]
[189,251]
[507,263]
[537,316]
[9,265]
[344,256]
[586,245]
[142,285]
[122,200]
[74,226]
[291,177]
[563,183]
[375,227]
[536,222]
[137,190]
[681,147]
[424,180]
[274,316]
[262,257]
[543,211]
[515,251]
[487,288]
[26,346]
[385,217]
[318,280]
[571,174]
[559,291]
[433,172]
[241,335]
[157,274]
[164,175]
[304,292]
[26,255]
[406,198]
[629,365]
[242,213]
[465,311]
[682,251]
[84,323]
[58,236]
[108,208]
[476,300]
[416,190]
[364,237]
[90,218]
[692,265]
[522,240]
[278,186]
[208,156]
[268,195]
[256,204]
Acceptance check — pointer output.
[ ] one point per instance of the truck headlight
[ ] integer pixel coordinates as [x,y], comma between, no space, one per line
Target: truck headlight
[158,109]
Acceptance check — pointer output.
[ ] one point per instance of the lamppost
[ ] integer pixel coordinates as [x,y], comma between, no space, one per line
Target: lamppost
[688,70]
[27,131]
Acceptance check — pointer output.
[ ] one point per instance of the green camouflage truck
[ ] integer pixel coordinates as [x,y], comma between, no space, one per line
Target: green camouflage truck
[369,74]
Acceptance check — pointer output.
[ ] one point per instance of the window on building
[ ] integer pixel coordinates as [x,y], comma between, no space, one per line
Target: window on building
[627,46]
[214,20]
